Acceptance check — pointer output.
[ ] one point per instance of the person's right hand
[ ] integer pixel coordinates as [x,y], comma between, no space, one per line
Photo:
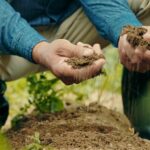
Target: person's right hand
[134,59]
[53,56]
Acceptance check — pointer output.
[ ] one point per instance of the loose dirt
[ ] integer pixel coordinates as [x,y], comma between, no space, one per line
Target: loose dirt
[83,128]
[135,36]
[84,61]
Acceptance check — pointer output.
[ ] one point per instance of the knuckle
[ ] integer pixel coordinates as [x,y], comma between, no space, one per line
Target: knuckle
[62,42]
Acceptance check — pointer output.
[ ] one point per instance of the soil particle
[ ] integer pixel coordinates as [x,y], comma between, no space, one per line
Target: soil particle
[83,128]
[135,36]
[78,63]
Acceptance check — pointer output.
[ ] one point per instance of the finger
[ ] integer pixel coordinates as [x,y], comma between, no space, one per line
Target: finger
[138,56]
[135,65]
[89,71]
[147,36]
[84,44]
[87,49]
[146,56]
[86,52]
[142,67]
[129,51]
[125,49]
[65,73]
[97,49]
[127,64]
[78,51]
[123,56]
[65,48]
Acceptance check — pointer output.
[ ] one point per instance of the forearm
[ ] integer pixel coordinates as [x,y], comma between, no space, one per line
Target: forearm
[109,17]
[16,35]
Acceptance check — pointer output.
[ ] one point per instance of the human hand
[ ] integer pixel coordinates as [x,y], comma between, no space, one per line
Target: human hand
[53,56]
[135,59]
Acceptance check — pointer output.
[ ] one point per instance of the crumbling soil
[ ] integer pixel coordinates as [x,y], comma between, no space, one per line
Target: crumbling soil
[84,61]
[135,36]
[83,128]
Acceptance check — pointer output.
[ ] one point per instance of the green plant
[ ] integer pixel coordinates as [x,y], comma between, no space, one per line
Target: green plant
[17,120]
[44,93]
[36,143]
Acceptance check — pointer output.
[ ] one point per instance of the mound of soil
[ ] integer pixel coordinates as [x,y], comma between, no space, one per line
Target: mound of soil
[135,36]
[83,128]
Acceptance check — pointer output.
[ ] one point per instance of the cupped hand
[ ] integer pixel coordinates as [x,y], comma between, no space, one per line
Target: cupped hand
[135,59]
[53,56]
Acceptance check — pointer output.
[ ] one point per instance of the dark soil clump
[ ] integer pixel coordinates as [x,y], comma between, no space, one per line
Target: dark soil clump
[84,61]
[83,128]
[135,36]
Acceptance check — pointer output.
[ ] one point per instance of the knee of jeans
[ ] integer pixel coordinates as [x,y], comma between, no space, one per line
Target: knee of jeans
[143,131]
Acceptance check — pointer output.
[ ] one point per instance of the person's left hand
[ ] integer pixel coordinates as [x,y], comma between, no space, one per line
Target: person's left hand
[137,59]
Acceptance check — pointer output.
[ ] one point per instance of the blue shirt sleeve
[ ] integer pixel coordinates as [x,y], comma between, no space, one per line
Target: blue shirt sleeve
[17,37]
[109,17]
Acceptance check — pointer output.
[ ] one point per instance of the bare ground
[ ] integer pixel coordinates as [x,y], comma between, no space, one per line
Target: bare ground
[83,128]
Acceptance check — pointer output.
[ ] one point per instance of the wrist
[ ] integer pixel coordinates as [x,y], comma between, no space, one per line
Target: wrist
[37,51]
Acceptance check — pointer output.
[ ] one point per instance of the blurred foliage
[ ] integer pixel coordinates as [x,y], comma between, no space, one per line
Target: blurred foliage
[113,70]
[4,145]
[44,94]
[17,96]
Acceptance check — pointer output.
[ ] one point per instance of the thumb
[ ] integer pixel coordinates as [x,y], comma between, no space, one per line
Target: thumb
[147,37]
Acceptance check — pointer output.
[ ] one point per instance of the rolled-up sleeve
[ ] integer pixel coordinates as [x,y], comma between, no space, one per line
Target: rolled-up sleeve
[17,37]
[109,17]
